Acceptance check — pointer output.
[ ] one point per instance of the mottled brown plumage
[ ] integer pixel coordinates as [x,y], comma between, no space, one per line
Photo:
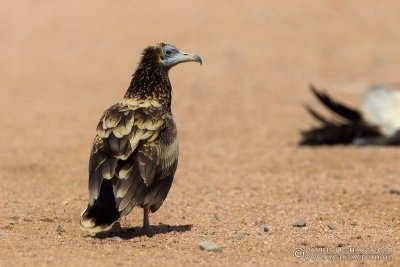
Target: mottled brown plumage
[135,151]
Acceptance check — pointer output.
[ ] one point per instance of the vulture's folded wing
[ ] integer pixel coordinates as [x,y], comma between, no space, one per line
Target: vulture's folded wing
[133,160]
[120,133]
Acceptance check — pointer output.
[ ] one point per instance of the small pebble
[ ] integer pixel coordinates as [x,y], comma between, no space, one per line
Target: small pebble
[299,223]
[209,246]
[331,226]
[394,191]
[116,238]
[60,229]
[215,217]
[237,237]
[2,233]
[263,230]
[22,212]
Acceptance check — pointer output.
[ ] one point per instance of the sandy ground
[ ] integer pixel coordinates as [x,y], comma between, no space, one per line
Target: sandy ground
[238,116]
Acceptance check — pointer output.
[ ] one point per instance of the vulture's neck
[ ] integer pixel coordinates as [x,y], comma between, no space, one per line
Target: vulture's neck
[150,82]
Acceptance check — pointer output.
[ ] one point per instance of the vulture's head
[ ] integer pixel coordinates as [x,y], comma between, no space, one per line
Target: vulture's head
[167,56]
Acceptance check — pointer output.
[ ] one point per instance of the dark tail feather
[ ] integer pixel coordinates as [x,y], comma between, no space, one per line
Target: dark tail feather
[339,108]
[318,116]
[103,212]
[337,134]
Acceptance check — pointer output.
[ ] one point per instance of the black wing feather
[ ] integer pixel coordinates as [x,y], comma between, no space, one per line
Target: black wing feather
[318,116]
[337,134]
[339,108]
[331,132]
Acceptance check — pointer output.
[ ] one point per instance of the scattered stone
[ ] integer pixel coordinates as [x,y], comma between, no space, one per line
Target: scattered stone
[299,223]
[2,233]
[209,246]
[331,226]
[394,191]
[215,217]
[22,212]
[60,229]
[238,237]
[116,238]
[340,245]
[263,230]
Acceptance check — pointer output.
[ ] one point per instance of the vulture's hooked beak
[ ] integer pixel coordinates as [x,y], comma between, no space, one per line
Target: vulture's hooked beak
[181,57]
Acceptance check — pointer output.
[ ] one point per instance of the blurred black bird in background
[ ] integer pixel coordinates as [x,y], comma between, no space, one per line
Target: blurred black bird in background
[135,151]
[376,122]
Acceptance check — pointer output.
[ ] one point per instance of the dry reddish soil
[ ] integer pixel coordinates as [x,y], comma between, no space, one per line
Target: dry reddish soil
[238,116]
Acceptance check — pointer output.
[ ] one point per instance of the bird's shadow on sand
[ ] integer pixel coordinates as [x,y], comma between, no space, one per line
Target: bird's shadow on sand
[132,232]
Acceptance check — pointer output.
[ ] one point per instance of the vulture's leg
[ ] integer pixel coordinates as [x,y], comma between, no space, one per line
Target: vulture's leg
[116,228]
[146,224]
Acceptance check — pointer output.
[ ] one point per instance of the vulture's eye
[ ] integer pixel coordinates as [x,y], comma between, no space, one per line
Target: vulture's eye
[168,52]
